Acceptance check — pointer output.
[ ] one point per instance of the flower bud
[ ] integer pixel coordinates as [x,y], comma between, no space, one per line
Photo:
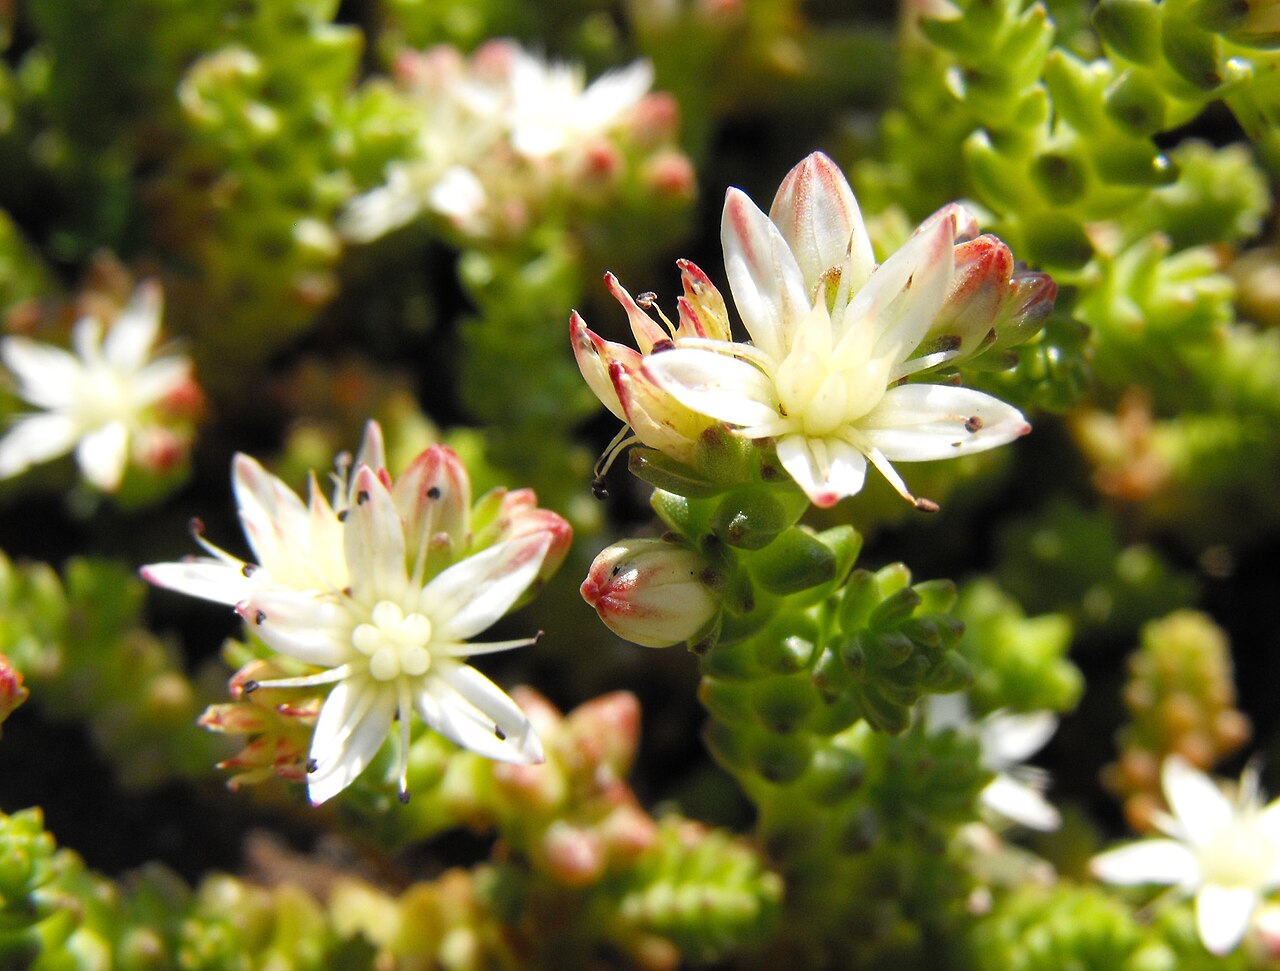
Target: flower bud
[650,592]
[12,692]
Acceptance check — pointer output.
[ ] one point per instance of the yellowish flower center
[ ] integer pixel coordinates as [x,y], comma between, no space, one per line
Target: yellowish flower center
[395,643]
[103,396]
[823,388]
[1239,854]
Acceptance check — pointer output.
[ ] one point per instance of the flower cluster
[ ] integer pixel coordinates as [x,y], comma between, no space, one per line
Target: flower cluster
[836,340]
[111,402]
[381,589]
[504,131]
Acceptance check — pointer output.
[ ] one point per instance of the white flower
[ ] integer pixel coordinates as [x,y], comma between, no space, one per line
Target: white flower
[96,401]
[494,130]
[1006,740]
[382,590]
[834,336]
[1223,848]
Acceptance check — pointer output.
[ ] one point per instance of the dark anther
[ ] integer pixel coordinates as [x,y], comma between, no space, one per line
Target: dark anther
[248,569]
[499,734]
[949,342]
[973,423]
[312,765]
[195,526]
[404,798]
[665,344]
[433,492]
[346,591]
[342,516]
[362,497]
[260,617]
[647,299]
[927,505]
[615,571]
[598,489]
[249,687]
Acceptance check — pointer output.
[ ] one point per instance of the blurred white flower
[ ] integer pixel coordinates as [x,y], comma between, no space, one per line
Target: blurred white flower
[1006,740]
[382,591]
[1223,847]
[496,131]
[99,401]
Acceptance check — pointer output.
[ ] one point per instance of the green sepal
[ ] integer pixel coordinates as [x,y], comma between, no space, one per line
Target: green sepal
[834,775]
[1130,27]
[724,458]
[669,475]
[783,703]
[789,644]
[1194,53]
[1137,102]
[781,759]
[751,517]
[797,560]
[1061,176]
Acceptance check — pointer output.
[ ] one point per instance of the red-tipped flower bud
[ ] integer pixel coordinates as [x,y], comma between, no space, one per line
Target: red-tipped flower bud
[651,592]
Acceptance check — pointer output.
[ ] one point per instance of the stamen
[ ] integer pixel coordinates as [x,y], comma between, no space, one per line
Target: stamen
[917,364]
[973,424]
[433,492]
[471,648]
[312,765]
[621,442]
[305,681]
[891,474]
[499,734]
[404,709]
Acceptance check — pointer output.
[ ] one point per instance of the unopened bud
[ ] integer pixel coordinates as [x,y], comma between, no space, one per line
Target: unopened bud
[650,592]
[12,692]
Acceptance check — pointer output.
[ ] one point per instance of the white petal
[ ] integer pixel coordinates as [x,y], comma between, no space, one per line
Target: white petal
[204,578]
[819,218]
[128,343]
[1148,861]
[314,629]
[928,422]
[766,282]
[593,354]
[48,376]
[102,455]
[826,469]
[86,339]
[34,439]
[947,711]
[1020,803]
[471,595]
[1222,916]
[160,378]
[1008,739]
[380,210]
[904,294]
[346,741]
[612,95]
[1199,806]
[274,519]
[470,710]
[459,195]
[715,385]
[373,539]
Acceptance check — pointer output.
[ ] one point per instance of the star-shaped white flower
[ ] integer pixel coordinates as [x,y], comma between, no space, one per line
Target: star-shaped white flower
[383,590]
[496,128]
[1223,848]
[95,401]
[1007,740]
[833,339]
